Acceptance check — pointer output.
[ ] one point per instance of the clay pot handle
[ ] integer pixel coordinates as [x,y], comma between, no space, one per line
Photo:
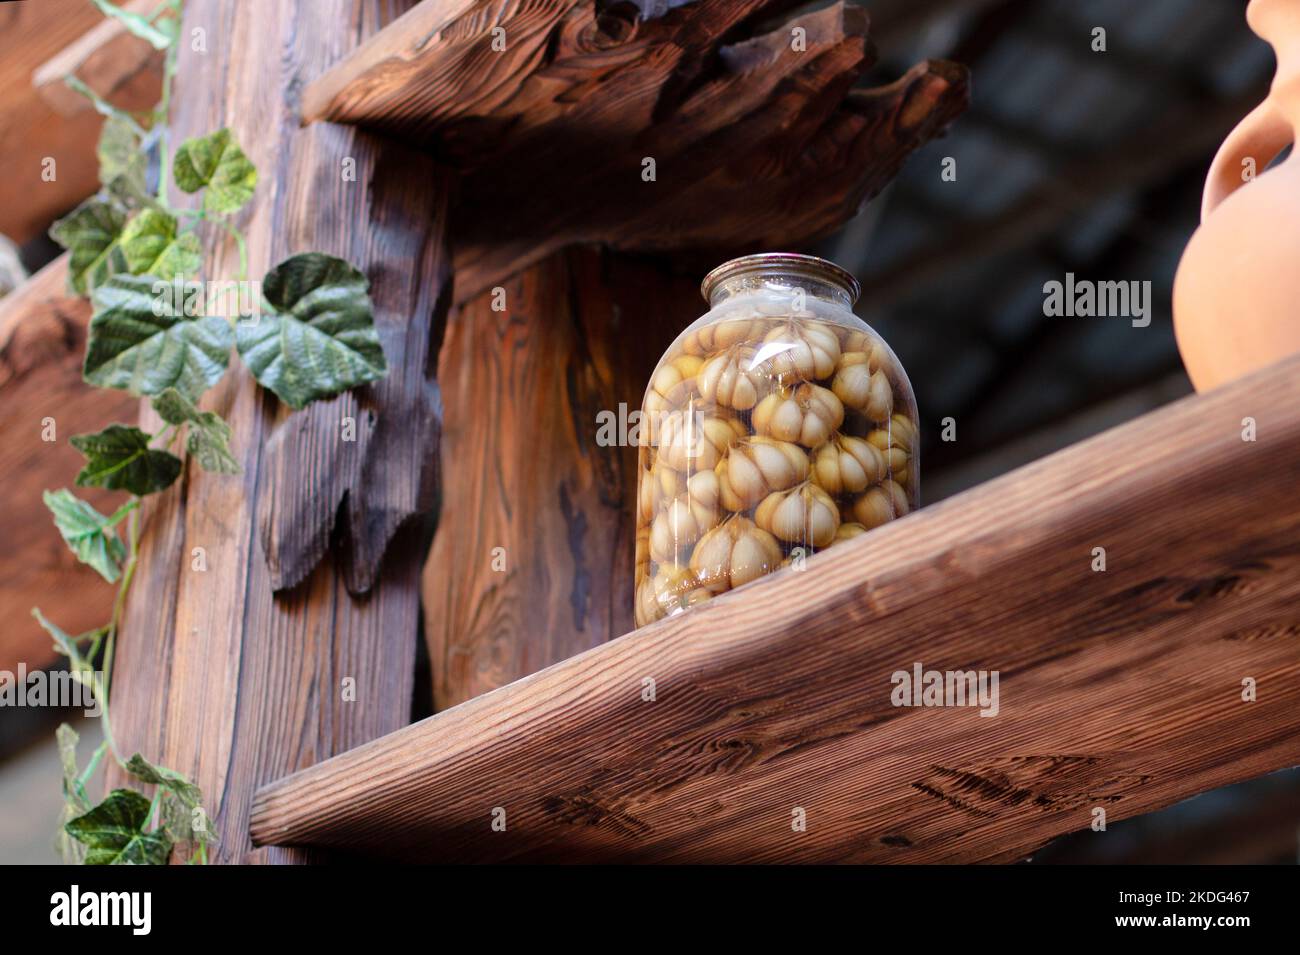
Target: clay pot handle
[1261,135]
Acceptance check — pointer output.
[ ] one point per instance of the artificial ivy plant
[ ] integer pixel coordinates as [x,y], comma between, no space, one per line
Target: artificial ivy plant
[139,258]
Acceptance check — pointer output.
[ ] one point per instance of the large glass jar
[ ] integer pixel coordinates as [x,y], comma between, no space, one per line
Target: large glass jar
[777,425]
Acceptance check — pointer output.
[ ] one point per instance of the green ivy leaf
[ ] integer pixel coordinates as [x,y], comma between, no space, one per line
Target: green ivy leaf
[63,641]
[169,779]
[119,457]
[88,533]
[215,162]
[151,244]
[159,36]
[141,340]
[180,799]
[316,335]
[91,232]
[121,152]
[114,832]
[208,439]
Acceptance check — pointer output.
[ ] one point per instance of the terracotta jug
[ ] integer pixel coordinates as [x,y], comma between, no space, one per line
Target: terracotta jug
[1237,293]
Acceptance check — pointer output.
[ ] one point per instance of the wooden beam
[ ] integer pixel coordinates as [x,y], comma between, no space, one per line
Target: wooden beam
[218,675]
[531,563]
[109,59]
[784,174]
[759,141]
[32,191]
[1120,689]
[42,340]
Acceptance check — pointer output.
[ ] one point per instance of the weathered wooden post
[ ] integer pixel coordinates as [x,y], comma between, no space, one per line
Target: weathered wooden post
[218,675]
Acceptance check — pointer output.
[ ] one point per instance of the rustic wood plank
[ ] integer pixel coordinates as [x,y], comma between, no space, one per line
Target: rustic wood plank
[109,59]
[522,386]
[781,175]
[31,34]
[217,675]
[757,141]
[1118,689]
[42,340]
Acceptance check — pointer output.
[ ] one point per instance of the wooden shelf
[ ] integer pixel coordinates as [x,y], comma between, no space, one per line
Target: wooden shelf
[42,120]
[1119,690]
[759,142]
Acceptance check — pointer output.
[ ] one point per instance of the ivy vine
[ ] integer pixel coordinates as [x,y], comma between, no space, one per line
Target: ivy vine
[138,259]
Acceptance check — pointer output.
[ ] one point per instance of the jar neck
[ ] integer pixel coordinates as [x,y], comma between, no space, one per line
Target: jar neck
[772,280]
[802,276]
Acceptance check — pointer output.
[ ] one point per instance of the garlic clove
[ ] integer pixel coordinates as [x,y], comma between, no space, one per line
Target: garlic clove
[734,553]
[752,557]
[726,378]
[718,335]
[807,414]
[880,398]
[694,440]
[756,466]
[805,514]
[848,465]
[880,505]
[899,432]
[801,350]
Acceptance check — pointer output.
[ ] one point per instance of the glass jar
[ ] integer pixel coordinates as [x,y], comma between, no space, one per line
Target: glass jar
[777,425]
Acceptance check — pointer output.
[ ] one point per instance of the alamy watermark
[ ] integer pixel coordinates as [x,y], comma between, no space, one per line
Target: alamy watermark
[922,687]
[241,300]
[133,910]
[1084,298]
[60,688]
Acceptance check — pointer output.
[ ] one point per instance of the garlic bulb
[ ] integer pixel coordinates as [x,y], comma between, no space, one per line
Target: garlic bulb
[862,389]
[849,530]
[880,505]
[848,465]
[755,467]
[719,335]
[731,379]
[677,526]
[734,553]
[807,414]
[802,515]
[694,440]
[798,351]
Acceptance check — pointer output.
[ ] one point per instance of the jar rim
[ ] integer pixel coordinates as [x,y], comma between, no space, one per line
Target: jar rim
[811,266]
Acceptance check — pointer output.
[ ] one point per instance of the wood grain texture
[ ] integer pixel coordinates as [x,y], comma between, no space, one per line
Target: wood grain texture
[42,341]
[217,676]
[1118,689]
[32,130]
[757,136]
[522,471]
